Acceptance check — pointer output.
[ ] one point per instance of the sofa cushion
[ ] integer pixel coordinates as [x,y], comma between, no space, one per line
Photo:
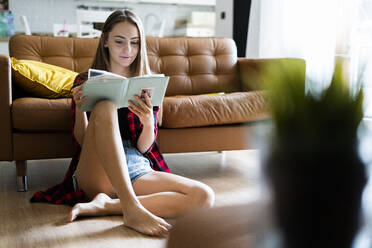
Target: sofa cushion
[31,114]
[207,110]
[42,79]
[36,114]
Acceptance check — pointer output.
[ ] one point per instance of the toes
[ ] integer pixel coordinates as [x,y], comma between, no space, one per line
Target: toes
[72,216]
[163,231]
[167,225]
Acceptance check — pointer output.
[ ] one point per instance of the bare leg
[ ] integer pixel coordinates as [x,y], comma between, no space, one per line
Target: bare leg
[102,168]
[170,195]
[165,195]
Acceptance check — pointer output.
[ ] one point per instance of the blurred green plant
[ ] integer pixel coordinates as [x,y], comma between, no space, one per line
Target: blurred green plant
[301,116]
[313,165]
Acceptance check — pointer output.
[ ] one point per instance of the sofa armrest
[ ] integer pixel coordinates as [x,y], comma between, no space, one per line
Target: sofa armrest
[251,70]
[5,111]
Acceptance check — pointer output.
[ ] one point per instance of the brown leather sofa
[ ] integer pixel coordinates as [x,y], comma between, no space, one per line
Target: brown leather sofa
[193,119]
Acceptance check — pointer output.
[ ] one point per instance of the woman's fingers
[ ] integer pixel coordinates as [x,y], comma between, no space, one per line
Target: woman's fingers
[142,111]
[141,107]
[141,102]
[133,107]
[83,99]
[147,100]
[77,93]
[78,97]
[145,103]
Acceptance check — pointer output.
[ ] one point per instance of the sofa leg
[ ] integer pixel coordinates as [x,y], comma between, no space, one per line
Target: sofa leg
[22,183]
[222,158]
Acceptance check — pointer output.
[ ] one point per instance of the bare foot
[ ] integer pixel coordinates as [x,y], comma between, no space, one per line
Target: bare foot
[141,220]
[95,207]
[135,217]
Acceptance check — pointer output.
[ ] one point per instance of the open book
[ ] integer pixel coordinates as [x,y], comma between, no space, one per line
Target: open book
[103,85]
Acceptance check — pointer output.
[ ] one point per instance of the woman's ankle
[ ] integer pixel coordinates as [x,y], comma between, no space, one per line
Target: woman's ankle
[130,204]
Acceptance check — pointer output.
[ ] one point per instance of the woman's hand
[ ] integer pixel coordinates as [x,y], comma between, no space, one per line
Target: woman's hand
[77,93]
[143,111]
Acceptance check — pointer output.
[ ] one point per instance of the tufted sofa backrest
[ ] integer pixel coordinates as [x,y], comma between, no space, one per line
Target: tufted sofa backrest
[195,65]
[71,53]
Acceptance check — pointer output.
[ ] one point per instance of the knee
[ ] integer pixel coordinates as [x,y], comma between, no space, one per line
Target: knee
[103,112]
[203,196]
[104,106]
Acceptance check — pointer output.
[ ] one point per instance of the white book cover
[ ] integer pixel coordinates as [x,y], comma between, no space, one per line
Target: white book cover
[103,85]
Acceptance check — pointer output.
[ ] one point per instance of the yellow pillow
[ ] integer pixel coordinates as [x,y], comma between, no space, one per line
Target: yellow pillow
[42,79]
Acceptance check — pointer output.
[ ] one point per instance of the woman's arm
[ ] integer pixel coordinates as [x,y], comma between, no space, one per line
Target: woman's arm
[81,120]
[146,138]
[145,113]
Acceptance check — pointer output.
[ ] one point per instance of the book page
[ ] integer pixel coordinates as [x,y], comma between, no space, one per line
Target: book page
[155,87]
[150,75]
[95,75]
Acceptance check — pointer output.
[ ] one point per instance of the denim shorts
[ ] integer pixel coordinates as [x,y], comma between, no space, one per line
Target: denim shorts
[137,164]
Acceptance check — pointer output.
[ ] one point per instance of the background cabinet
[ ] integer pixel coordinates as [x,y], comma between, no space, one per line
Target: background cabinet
[180,2]
[232,18]
[186,2]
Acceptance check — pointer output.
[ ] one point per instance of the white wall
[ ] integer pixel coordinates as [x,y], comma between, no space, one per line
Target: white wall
[41,14]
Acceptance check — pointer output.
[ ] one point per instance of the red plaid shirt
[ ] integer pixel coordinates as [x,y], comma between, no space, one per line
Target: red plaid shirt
[64,192]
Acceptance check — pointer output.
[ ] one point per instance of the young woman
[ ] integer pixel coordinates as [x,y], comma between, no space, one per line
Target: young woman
[118,147]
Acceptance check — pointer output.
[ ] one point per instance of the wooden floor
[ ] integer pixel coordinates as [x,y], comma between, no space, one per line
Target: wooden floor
[233,175]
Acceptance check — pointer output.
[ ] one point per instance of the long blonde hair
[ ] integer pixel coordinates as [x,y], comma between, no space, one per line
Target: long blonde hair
[140,65]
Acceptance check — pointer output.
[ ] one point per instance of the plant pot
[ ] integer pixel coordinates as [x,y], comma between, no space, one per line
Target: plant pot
[317,192]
